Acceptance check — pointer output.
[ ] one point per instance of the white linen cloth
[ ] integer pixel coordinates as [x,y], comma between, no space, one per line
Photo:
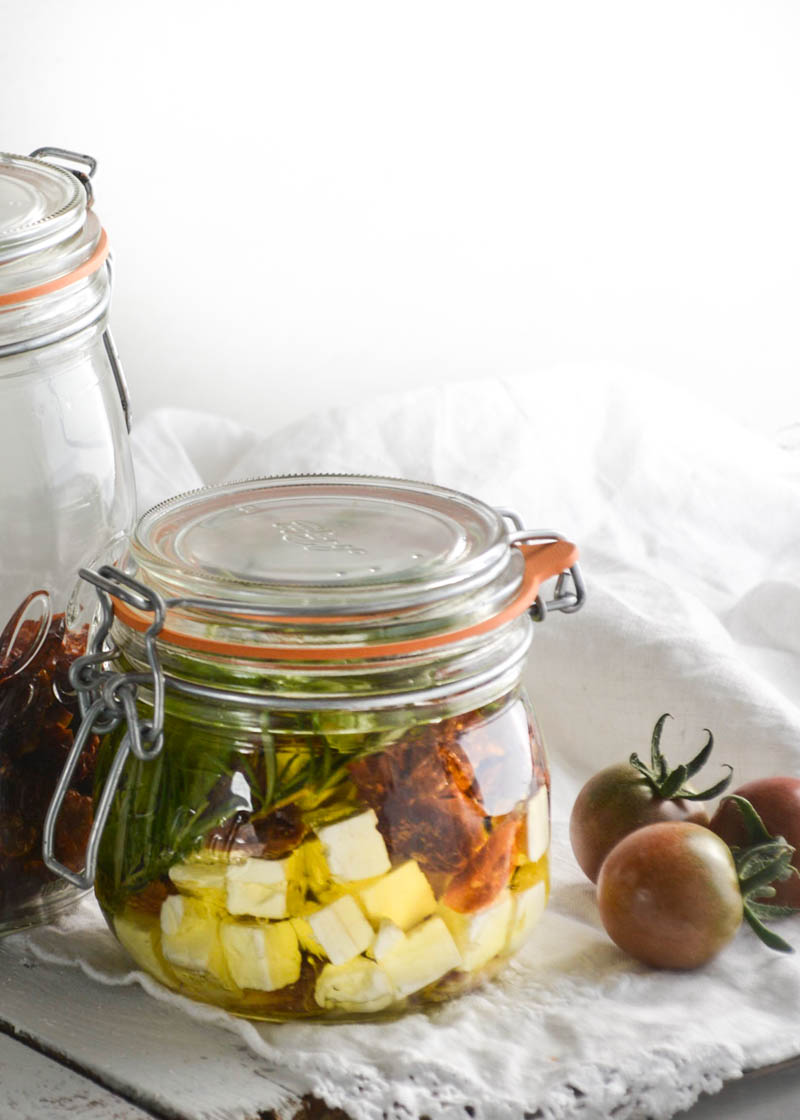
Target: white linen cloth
[689,530]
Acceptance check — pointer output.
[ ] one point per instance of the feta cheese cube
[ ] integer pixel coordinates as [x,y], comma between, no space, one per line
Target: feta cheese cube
[341,929]
[481,935]
[538,824]
[264,957]
[387,938]
[528,907]
[201,880]
[258,887]
[140,935]
[404,896]
[353,848]
[359,985]
[190,936]
[427,953]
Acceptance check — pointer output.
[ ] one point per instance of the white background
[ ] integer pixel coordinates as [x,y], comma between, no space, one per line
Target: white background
[310,202]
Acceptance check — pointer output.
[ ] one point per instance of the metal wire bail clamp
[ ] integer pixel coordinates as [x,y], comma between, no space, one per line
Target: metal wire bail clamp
[106,699]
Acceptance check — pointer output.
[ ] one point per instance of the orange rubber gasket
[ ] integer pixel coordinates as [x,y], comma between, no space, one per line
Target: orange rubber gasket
[95,262]
[542,561]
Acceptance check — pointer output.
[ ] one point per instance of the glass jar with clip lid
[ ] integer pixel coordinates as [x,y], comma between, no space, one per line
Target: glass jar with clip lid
[322,792]
[66,493]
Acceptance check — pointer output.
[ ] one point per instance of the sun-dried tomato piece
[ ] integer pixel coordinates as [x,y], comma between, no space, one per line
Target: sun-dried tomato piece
[39,714]
[271,837]
[149,900]
[489,870]
[449,796]
[459,769]
[17,838]
[439,833]
[72,829]
[422,790]
[281,831]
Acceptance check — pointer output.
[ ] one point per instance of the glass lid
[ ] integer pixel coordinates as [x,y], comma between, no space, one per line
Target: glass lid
[40,204]
[325,543]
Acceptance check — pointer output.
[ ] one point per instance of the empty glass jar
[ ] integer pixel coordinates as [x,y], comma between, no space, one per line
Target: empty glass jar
[325,795]
[66,493]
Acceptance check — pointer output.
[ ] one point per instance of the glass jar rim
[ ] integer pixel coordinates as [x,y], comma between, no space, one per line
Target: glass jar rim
[54,253]
[41,204]
[238,576]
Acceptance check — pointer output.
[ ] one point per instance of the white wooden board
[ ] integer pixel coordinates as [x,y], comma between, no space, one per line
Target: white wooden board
[156,1056]
[32,1087]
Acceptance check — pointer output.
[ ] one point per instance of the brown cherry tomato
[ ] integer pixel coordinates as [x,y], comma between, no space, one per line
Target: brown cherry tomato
[613,803]
[777,802]
[669,895]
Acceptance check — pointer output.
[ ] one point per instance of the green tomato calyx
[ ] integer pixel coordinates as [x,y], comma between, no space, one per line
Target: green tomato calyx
[765,860]
[669,784]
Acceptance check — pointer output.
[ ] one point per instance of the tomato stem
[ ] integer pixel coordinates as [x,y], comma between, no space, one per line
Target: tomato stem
[765,934]
[669,784]
[766,860]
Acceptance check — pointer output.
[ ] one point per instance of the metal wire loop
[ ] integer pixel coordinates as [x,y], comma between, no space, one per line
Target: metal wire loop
[51,820]
[122,586]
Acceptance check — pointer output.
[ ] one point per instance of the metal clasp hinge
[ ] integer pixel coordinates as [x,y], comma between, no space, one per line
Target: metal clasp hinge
[106,699]
[67,156]
[570,590]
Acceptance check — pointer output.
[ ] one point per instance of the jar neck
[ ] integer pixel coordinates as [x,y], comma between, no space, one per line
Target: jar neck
[57,317]
[454,679]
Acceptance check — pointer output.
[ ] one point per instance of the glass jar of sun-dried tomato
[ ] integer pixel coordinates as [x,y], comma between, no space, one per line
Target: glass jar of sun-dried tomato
[66,491]
[325,794]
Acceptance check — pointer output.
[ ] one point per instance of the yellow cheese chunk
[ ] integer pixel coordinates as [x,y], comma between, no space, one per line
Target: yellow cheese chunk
[261,956]
[353,848]
[404,896]
[528,907]
[427,953]
[538,824]
[481,935]
[341,929]
[141,936]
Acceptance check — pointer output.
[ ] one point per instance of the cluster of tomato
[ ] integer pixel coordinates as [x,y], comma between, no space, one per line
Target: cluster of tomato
[673,886]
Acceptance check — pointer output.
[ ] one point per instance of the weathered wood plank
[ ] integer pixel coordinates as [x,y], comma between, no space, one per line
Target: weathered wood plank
[32,1087]
[151,1053]
[761,1095]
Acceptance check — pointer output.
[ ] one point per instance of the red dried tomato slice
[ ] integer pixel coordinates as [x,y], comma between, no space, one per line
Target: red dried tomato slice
[488,872]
